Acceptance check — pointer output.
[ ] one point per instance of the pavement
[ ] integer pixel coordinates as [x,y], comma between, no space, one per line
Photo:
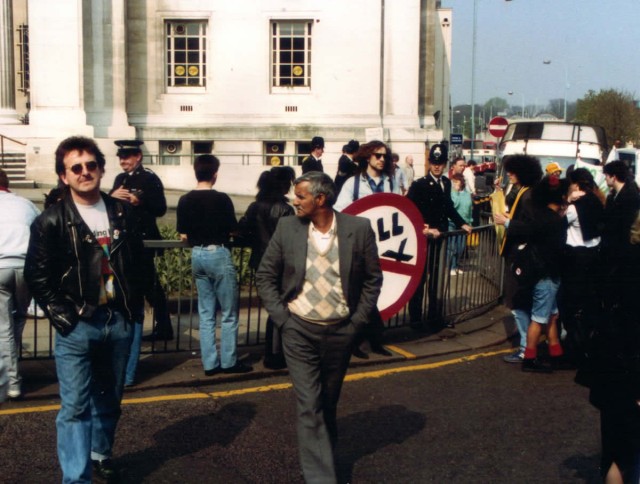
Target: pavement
[184,369]
[160,371]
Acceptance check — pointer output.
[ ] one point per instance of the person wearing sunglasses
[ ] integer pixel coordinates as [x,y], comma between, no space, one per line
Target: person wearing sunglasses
[83,267]
[375,175]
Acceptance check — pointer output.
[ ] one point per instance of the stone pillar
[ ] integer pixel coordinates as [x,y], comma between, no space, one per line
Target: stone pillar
[8,113]
[401,31]
[56,59]
[105,61]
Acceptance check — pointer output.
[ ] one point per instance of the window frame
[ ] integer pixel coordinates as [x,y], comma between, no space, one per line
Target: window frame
[169,50]
[276,54]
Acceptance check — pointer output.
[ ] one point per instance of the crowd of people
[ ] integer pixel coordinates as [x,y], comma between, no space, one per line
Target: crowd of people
[572,266]
[572,273]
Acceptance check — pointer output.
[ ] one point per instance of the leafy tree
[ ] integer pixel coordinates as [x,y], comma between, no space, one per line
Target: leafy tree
[495,105]
[616,111]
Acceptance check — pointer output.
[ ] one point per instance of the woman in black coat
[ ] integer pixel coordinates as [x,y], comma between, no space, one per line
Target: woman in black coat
[579,297]
[612,367]
[258,225]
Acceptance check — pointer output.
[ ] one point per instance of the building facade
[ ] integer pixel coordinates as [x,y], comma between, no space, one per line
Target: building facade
[251,81]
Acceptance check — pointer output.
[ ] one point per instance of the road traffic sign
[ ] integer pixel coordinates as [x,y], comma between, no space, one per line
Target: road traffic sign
[401,246]
[456,139]
[498,126]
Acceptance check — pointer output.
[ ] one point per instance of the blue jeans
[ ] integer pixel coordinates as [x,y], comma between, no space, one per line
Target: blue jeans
[523,319]
[14,300]
[134,355]
[90,363]
[217,285]
[544,300]
[455,249]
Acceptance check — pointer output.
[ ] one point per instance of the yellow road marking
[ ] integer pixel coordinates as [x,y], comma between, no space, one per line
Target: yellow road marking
[400,351]
[365,375]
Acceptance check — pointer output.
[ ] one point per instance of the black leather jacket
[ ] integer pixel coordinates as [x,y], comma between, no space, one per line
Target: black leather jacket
[64,260]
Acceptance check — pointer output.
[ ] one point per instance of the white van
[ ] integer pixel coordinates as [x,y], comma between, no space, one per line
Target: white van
[631,157]
[555,141]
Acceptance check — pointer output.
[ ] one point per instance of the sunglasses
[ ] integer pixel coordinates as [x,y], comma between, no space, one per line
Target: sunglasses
[379,156]
[78,167]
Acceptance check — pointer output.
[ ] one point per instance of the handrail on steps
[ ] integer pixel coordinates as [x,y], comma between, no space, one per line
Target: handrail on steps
[2,138]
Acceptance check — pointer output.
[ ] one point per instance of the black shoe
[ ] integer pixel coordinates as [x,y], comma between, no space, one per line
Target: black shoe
[274,363]
[215,371]
[239,367]
[381,350]
[158,337]
[562,363]
[536,366]
[358,353]
[106,470]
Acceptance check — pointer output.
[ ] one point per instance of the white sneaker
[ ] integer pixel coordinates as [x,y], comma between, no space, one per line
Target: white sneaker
[14,393]
[453,272]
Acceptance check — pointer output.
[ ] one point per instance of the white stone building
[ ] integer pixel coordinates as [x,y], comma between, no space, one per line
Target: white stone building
[251,81]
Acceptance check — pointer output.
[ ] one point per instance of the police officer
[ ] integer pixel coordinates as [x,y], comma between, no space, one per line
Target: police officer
[143,189]
[313,162]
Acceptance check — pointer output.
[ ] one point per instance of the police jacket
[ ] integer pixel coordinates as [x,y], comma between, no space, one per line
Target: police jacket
[435,203]
[64,260]
[146,185]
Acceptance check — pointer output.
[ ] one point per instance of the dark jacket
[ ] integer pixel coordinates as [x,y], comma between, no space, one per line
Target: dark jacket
[434,204]
[619,213]
[311,164]
[259,223]
[612,369]
[590,215]
[281,274]
[346,168]
[146,185]
[64,263]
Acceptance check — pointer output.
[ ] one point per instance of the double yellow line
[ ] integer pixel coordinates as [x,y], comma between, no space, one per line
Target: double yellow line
[365,375]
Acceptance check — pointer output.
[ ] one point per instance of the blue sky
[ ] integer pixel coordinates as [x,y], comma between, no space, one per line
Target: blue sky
[597,40]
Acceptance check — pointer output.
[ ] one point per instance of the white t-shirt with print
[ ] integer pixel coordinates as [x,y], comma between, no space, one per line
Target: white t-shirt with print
[96,218]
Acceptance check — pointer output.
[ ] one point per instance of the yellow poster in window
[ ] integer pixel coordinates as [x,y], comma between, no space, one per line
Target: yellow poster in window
[193,70]
[180,70]
[297,70]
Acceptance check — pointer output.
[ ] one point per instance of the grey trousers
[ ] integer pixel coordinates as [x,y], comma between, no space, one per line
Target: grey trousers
[14,301]
[317,357]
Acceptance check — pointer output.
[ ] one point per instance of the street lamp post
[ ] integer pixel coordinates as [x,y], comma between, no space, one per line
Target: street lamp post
[473,77]
[547,62]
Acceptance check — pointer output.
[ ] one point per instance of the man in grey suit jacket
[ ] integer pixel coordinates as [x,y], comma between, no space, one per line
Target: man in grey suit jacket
[319,280]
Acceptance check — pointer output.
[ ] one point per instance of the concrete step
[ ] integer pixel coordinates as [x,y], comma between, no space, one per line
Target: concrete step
[13,183]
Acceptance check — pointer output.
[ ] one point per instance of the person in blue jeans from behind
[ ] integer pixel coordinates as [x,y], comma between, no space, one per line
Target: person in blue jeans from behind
[205,219]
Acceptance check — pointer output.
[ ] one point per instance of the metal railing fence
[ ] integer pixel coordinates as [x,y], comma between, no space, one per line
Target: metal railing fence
[473,289]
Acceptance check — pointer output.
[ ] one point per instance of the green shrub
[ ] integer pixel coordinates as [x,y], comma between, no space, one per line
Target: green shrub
[174,265]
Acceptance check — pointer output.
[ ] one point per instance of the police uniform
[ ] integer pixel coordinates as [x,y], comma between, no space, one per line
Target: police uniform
[147,187]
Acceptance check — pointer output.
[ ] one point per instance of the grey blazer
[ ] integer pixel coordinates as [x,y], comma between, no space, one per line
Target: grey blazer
[280,276]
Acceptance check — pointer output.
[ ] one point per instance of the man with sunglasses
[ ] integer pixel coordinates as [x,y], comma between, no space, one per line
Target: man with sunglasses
[83,267]
[143,190]
[375,175]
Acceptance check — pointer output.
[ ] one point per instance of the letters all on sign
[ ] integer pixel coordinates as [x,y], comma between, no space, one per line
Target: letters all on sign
[401,246]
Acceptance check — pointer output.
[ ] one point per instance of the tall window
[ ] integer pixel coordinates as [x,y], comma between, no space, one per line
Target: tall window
[186,53]
[23,59]
[291,53]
